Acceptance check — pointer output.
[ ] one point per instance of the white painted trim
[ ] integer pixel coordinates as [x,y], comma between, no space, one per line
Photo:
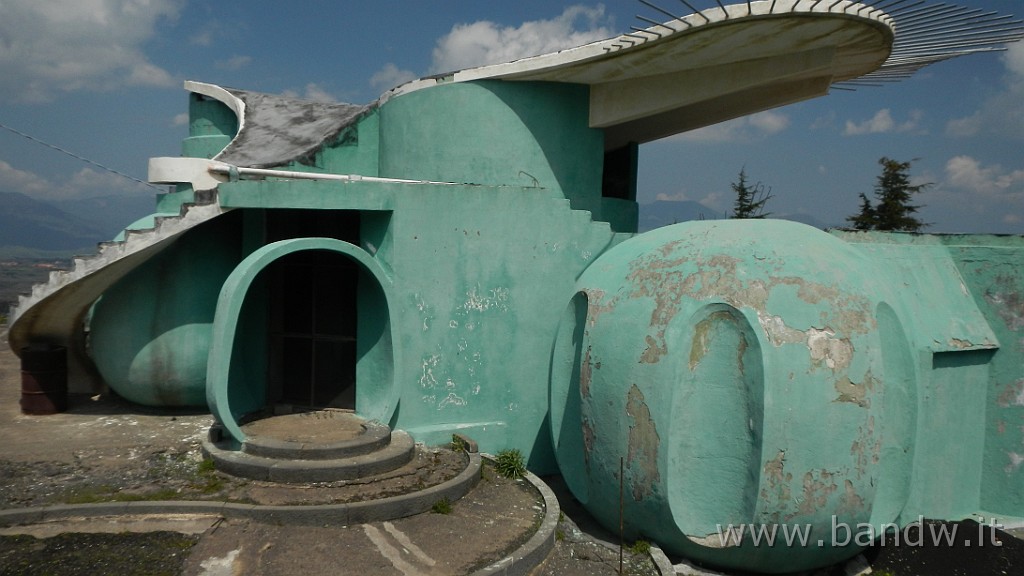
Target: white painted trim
[236,104]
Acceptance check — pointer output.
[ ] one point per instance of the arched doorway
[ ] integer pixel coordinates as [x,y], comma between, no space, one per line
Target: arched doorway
[311,347]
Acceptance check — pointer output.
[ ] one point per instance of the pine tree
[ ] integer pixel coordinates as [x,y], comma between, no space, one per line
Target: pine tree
[892,210]
[865,219]
[750,200]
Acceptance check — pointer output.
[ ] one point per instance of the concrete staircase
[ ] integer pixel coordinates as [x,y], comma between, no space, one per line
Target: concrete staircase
[53,313]
[315,446]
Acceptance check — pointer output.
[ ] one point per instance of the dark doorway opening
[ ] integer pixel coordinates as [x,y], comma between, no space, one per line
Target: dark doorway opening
[618,178]
[312,309]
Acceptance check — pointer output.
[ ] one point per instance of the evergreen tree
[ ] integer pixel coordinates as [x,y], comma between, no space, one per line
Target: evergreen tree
[892,210]
[865,219]
[750,199]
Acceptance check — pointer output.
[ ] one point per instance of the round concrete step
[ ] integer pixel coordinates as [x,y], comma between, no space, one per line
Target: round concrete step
[398,452]
[318,435]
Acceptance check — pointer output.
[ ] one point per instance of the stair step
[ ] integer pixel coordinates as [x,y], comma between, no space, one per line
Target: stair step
[375,436]
[397,453]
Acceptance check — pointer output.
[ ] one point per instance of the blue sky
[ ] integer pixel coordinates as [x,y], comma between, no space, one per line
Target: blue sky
[102,78]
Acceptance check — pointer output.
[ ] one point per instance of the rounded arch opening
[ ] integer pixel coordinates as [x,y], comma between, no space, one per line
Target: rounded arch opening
[252,334]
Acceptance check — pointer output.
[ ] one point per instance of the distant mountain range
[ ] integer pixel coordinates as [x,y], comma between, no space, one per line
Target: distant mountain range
[667,212]
[74,226]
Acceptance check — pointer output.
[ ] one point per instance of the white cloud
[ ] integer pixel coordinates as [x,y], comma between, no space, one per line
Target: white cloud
[390,76]
[202,38]
[770,122]
[1002,113]
[883,122]
[180,119]
[88,181]
[967,126]
[714,200]
[55,46]
[85,183]
[22,182]
[975,197]
[313,92]
[234,63]
[745,129]
[968,174]
[677,197]
[484,42]
[1014,59]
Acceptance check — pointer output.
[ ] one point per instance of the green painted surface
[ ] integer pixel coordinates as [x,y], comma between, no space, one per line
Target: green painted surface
[236,387]
[474,313]
[755,372]
[150,333]
[959,355]
[991,269]
[495,133]
[708,340]
[211,127]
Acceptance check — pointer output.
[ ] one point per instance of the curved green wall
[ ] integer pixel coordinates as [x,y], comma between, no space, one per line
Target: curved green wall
[701,343]
[495,133]
[150,332]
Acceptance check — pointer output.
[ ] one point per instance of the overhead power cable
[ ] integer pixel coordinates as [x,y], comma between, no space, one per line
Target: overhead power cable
[77,157]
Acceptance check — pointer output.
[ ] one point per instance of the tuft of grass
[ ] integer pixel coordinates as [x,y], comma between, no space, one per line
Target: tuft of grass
[442,506]
[559,535]
[91,495]
[640,547]
[207,480]
[105,493]
[509,463]
[458,445]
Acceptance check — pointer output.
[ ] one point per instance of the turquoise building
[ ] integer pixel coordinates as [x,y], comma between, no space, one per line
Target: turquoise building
[461,255]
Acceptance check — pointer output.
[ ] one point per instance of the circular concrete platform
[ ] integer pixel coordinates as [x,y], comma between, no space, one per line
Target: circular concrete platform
[315,427]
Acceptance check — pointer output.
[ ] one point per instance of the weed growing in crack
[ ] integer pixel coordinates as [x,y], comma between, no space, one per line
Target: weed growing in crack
[458,444]
[509,463]
[640,547]
[442,506]
[206,479]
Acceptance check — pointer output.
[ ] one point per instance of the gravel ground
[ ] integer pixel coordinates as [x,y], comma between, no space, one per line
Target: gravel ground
[83,554]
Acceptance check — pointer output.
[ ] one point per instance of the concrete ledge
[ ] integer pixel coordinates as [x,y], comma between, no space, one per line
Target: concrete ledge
[536,549]
[661,561]
[315,515]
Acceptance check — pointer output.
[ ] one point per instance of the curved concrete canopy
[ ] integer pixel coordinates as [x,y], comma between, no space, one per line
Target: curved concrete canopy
[683,74]
[708,67]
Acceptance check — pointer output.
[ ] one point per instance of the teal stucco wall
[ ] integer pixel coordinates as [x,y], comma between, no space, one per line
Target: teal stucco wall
[741,372]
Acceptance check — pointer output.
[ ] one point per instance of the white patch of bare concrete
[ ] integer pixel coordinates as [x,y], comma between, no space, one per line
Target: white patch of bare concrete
[181,523]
